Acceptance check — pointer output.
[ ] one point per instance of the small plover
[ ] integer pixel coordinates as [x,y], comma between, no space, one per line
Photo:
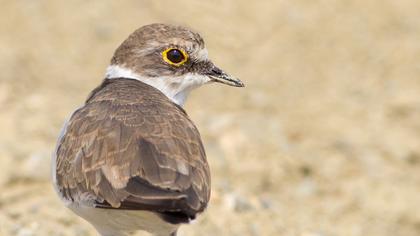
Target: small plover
[130,159]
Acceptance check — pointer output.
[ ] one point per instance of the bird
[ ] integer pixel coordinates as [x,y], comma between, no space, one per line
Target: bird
[130,159]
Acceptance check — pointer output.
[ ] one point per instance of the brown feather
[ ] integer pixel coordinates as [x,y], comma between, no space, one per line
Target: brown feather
[130,147]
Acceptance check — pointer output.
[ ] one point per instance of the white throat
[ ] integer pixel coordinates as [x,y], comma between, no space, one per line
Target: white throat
[175,88]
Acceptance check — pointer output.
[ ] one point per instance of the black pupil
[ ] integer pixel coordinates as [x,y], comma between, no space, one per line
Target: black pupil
[175,56]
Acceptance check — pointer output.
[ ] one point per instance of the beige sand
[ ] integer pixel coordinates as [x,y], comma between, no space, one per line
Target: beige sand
[323,141]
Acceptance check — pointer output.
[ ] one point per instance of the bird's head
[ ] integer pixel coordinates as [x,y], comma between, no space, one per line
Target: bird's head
[170,58]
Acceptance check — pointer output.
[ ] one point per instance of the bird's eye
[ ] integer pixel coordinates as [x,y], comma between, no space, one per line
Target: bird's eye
[174,56]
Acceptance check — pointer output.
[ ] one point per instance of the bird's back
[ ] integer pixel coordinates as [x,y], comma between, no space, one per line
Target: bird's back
[131,148]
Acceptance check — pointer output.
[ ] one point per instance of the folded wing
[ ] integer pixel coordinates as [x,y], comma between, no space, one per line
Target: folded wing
[131,148]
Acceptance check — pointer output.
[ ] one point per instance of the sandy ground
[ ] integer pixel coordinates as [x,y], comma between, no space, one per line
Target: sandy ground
[323,141]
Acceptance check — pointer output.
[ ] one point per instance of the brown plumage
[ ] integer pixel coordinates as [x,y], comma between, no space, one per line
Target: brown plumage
[130,158]
[136,52]
[130,147]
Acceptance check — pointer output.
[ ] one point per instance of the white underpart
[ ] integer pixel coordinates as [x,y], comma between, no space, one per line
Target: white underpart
[123,222]
[175,88]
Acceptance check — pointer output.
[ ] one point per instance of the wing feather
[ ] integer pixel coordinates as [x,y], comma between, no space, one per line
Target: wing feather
[130,147]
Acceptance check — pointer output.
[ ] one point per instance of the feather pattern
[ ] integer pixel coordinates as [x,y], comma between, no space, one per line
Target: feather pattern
[130,147]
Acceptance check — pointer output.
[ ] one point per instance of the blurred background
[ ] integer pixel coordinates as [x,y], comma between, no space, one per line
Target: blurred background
[324,140]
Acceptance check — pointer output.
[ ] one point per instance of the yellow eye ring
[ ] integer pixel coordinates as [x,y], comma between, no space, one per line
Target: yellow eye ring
[175,56]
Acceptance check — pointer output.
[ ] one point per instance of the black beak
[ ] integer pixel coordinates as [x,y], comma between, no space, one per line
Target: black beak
[218,75]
